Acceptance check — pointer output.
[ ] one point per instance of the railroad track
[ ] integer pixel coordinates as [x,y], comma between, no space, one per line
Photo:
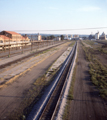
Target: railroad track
[50,106]
[101,42]
[11,52]
[27,56]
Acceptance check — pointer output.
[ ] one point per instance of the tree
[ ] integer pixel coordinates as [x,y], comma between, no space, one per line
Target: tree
[51,37]
[44,37]
[62,37]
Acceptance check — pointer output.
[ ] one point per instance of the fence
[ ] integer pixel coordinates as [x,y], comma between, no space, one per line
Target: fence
[17,47]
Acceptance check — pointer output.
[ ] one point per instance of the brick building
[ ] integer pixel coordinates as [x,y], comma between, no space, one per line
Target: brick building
[6,36]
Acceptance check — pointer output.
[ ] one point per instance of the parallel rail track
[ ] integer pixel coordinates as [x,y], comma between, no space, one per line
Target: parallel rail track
[102,42]
[49,107]
[17,50]
[32,54]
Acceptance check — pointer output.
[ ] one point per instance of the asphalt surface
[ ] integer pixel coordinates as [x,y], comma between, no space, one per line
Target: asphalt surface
[87,103]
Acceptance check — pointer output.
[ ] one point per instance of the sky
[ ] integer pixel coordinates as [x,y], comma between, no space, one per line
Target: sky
[33,16]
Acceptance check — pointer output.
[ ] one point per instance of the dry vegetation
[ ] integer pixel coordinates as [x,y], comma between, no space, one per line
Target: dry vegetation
[97,70]
[70,94]
[102,48]
[73,42]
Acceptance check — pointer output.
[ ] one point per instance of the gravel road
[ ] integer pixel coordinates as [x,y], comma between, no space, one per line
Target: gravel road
[87,103]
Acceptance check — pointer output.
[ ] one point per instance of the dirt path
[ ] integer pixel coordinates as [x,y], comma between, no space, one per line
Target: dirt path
[11,96]
[87,104]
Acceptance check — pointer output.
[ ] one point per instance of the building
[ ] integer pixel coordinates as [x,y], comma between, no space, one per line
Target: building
[97,36]
[10,36]
[3,39]
[66,37]
[75,36]
[57,38]
[38,37]
[91,37]
[71,36]
[103,36]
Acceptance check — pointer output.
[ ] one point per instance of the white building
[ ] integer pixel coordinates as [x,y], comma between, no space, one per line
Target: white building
[75,36]
[97,36]
[103,36]
[57,38]
[66,37]
[70,37]
[38,37]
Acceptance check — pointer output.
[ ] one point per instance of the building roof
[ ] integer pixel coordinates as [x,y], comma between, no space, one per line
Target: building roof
[11,32]
[24,37]
[97,33]
[4,37]
[103,33]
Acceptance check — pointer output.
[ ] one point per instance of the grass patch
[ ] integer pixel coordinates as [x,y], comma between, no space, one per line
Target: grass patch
[89,42]
[45,51]
[89,56]
[103,50]
[72,44]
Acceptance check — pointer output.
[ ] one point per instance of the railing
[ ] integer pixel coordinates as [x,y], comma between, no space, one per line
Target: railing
[9,49]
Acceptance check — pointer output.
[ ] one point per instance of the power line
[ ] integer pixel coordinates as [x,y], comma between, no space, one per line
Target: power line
[64,29]
[57,29]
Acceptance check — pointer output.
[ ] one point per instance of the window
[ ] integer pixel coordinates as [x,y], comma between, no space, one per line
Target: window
[1,41]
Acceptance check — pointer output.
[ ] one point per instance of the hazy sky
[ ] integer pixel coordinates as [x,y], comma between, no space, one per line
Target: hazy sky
[53,14]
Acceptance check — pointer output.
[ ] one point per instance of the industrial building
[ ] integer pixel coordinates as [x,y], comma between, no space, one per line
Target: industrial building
[10,36]
[57,38]
[75,36]
[103,36]
[97,36]
[38,37]
[66,37]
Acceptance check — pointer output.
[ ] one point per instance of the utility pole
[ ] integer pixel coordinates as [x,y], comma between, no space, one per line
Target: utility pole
[31,42]
[22,44]
[9,46]
[4,44]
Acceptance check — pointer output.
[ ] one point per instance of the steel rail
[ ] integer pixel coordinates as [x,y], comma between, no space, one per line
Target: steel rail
[58,105]
[42,107]
[24,50]
[27,56]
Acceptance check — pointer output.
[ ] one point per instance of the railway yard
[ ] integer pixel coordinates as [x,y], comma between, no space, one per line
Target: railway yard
[65,80]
